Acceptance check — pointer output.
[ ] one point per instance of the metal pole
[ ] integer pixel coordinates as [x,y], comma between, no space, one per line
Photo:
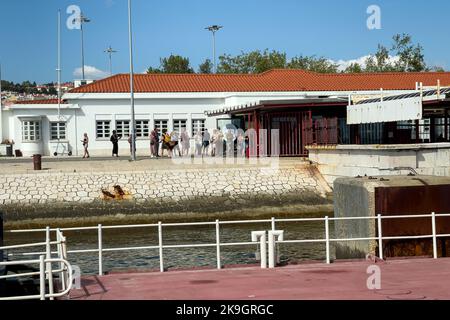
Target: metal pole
[160,240]
[214,51]
[110,63]
[219,262]
[49,264]
[433,224]
[59,66]
[273,224]
[42,276]
[327,238]
[133,122]
[100,250]
[82,48]
[380,238]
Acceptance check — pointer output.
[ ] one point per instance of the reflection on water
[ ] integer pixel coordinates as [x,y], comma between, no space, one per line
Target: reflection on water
[184,257]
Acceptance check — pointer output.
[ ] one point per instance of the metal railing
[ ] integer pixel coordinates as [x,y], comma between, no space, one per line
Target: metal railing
[46,270]
[327,240]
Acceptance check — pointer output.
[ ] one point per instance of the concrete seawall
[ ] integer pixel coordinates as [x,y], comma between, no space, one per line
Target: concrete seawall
[61,195]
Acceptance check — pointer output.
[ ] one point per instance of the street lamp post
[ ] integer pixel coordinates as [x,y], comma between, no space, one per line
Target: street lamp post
[110,51]
[82,20]
[214,29]
[133,121]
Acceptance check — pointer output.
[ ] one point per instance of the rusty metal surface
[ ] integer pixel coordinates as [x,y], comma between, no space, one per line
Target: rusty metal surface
[409,201]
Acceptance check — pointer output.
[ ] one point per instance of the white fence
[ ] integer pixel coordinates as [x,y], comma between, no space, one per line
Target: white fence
[160,246]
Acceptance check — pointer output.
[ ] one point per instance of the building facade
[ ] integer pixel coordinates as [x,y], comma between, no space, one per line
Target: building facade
[192,103]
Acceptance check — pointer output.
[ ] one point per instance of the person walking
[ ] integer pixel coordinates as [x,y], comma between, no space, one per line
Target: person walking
[115,141]
[154,143]
[198,143]
[85,142]
[185,142]
[166,140]
[206,142]
[175,143]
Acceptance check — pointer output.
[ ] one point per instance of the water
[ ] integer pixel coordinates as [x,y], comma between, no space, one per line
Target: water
[184,257]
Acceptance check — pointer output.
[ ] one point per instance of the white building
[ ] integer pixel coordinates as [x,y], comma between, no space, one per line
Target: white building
[174,102]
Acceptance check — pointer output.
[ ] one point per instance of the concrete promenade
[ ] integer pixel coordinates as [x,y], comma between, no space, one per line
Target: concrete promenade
[406,279]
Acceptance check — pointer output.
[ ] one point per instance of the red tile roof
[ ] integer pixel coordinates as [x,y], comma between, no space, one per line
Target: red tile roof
[48,101]
[274,80]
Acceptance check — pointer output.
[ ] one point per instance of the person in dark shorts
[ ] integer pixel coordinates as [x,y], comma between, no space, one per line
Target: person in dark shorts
[115,141]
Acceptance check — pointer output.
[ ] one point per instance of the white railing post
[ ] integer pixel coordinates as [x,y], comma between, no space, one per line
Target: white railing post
[261,235]
[327,239]
[380,237]
[100,250]
[160,240]
[219,262]
[272,243]
[60,256]
[42,277]
[273,224]
[49,264]
[433,225]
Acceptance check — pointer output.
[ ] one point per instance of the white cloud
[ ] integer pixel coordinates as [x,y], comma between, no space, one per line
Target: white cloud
[343,64]
[109,3]
[90,73]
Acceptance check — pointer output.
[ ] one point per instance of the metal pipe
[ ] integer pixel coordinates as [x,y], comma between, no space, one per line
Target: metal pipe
[100,250]
[219,263]
[380,237]
[160,239]
[433,225]
[42,277]
[133,121]
[49,264]
[327,239]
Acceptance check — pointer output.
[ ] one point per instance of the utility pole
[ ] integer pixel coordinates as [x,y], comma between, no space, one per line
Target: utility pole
[214,29]
[82,20]
[110,52]
[133,121]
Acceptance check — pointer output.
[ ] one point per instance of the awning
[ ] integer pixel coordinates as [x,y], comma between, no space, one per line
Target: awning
[403,107]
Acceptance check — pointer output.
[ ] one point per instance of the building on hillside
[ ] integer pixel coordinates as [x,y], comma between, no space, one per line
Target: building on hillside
[304,106]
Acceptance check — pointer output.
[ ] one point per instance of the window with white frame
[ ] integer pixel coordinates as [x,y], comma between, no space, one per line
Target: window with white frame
[142,129]
[198,125]
[179,125]
[57,130]
[103,129]
[123,128]
[31,131]
[162,125]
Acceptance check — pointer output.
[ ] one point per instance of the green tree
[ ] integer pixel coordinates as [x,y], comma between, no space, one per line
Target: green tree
[252,62]
[206,67]
[173,64]
[312,63]
[354,68]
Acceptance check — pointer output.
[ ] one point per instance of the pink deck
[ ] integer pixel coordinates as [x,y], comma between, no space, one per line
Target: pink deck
[409,279]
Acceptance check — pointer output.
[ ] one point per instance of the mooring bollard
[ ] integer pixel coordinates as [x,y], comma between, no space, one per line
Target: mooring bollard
[37,162]
[261,236]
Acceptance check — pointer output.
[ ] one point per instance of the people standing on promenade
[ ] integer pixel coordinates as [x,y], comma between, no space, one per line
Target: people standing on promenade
[175,143]
[214,138]
[206,142]
[86,146]
[115,141]
[241,144]
[165,139]
[198,143]
[185,142]
[154,143]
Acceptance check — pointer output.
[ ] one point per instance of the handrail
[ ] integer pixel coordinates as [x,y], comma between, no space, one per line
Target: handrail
[43,270]
[273,222]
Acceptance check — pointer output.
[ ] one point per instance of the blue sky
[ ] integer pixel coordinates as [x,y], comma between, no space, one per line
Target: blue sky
[334,29]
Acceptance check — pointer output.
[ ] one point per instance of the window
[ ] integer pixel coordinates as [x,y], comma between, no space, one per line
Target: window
[142,129]
[57,131]
[103,129]
[179,125]
[123,128]
[162,125]
[198,125]
[31,131]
